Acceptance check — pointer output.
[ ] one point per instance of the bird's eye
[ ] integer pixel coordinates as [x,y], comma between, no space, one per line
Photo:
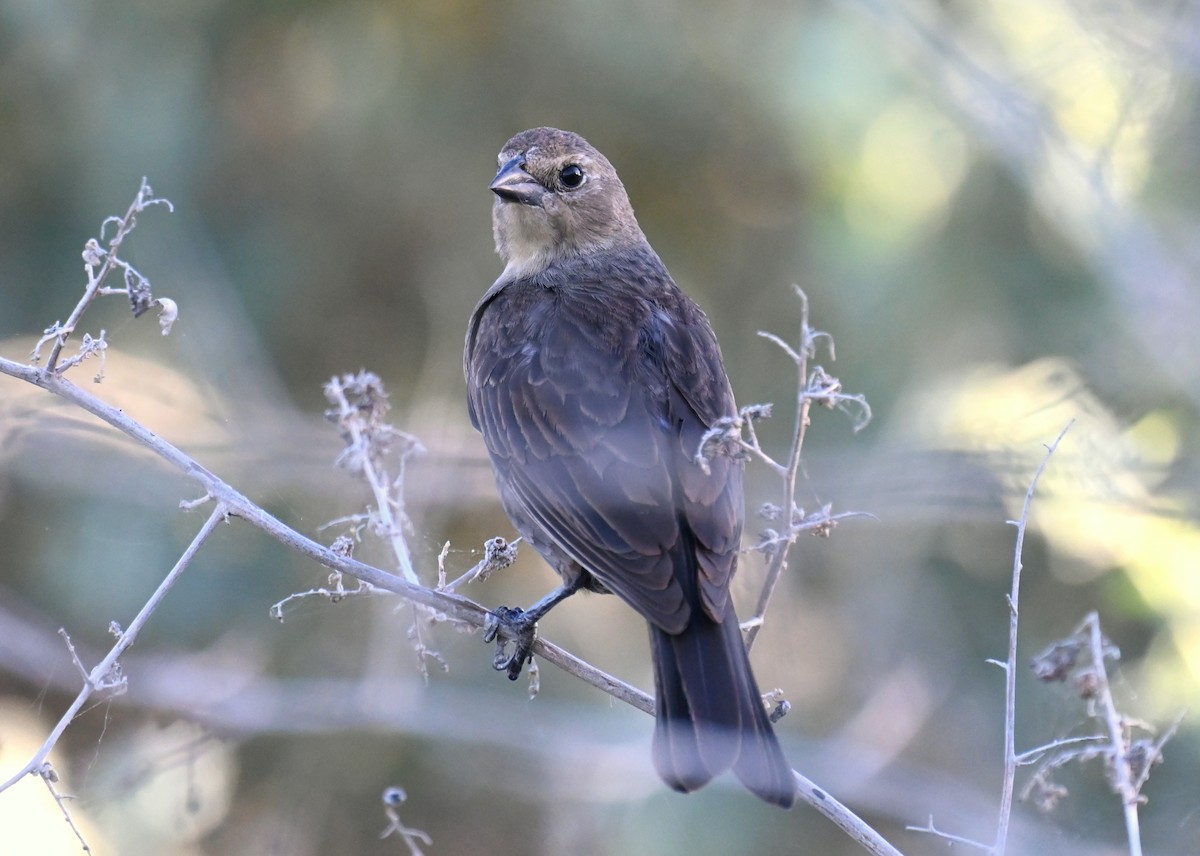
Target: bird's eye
[571,176]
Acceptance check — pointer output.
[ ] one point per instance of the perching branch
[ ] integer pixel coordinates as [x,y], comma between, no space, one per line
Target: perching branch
[231,503]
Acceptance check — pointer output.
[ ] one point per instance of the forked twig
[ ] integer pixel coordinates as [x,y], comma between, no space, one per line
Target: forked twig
[102,676]
[393,798]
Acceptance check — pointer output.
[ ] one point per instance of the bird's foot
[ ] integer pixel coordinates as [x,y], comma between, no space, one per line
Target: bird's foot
[523,628]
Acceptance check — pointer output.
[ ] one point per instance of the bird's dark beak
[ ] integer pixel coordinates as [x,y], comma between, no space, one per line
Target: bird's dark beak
[513,184]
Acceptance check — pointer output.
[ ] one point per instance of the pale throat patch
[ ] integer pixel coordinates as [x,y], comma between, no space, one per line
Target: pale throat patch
[526,240]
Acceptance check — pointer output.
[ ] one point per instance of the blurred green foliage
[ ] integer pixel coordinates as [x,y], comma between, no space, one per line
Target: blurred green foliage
[990,205]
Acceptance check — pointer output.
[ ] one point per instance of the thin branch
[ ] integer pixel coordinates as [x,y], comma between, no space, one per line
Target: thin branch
[335,593]
[393,798]
[930,829]
[791,469]
[360,403]
[817,387]
[1032,756]
[106,261]
[106,674]
[1010,671]
[498,554]
[843,818]
[50,777]
[83,671]
[1154,753]
[1122,776]
[1127,760]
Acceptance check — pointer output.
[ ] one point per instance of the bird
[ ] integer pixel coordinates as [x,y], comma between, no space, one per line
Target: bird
[594,379]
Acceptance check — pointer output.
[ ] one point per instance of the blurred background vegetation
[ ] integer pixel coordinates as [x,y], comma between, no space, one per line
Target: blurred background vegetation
[992,206]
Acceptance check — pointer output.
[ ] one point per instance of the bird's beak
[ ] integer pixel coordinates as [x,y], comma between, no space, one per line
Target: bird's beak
[513,184]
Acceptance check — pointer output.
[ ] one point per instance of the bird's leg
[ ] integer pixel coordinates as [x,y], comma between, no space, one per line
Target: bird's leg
[521,625]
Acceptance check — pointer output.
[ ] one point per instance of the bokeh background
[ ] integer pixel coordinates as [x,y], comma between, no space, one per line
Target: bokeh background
[992,206]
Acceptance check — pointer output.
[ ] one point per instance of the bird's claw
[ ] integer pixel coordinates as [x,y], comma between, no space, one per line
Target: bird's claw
[523,632]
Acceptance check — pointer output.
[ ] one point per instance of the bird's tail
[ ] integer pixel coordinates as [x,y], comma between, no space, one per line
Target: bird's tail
[710,715]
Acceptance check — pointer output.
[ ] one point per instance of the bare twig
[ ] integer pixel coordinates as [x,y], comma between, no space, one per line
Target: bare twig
[843,818]
[106,671]
[98,265]
[1081,660]
[89,346]
[816,387]
[1011,759]
[1010,665]
[1032,756]
[1153,754]
[360,404]
[930,829]
[1122,775]
[336,592]
[50,778]
[83,671]
[343,545]
[498,554]
[393,798]
[1041,789]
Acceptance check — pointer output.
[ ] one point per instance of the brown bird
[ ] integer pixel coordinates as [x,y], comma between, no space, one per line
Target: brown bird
[593,379]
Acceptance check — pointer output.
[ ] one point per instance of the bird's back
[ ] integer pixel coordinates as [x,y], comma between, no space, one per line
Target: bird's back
[593,384]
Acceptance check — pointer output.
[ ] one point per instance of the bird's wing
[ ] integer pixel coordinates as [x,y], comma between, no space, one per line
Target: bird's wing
[583,399]
[710,496]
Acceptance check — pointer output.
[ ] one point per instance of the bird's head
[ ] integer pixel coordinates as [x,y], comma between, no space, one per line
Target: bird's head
[556,197]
